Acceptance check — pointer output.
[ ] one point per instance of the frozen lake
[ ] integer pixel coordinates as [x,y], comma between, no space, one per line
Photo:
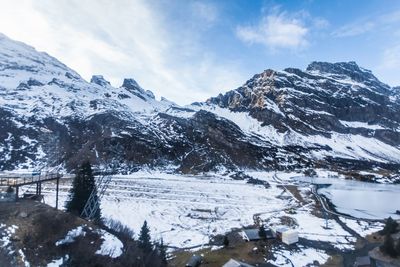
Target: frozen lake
[360,199]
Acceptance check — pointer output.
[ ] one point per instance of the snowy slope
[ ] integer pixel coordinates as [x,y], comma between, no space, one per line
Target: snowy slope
[353,146]
[331,115]
[36,84]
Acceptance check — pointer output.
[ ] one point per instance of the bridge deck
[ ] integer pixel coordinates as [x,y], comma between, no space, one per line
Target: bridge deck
[17,180]
[9,179]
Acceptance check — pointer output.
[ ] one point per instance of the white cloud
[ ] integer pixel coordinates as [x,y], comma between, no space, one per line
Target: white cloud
[278,30]
[369,24]
[120,39]
[355,29]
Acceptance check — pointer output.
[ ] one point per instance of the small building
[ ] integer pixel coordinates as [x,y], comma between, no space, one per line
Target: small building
[363,262]
[269,234]
[290,237]
[236,263]
[254,234]
[194,261]
[279,231]
[251,234]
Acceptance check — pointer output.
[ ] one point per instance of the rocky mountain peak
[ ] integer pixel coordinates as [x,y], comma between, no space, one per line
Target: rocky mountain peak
[132,86]
[349,69]
[277,119]
[337,68]
[99,80]
[130,83]
[265,75]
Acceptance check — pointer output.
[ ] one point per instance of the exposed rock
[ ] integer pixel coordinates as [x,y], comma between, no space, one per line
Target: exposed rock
[99,80]
[278,120]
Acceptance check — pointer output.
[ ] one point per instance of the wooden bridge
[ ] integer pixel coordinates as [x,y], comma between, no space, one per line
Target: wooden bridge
[17,180]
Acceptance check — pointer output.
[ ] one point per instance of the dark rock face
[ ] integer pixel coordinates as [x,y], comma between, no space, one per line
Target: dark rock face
[132,86]
[99,80]
[396,94]
[344,69]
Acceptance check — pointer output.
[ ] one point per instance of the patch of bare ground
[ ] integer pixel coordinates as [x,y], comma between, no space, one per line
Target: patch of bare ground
[296,193]
[334,261]
[39,227]
[254,252]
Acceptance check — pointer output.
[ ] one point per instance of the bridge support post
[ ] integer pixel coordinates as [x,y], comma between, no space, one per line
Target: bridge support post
[16,193]
[57,187]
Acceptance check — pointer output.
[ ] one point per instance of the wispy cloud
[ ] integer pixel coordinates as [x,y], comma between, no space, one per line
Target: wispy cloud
[391,58]
[387,67]
[369,24]
[124,38]
[276,30]
[206,11]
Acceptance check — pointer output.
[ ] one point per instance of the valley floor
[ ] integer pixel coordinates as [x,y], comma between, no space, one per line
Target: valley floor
[190,213]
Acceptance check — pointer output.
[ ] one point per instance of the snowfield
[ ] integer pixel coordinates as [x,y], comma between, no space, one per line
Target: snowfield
[184,210]
[187,211]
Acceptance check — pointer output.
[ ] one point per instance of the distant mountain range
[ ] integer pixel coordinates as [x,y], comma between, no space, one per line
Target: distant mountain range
[335,116]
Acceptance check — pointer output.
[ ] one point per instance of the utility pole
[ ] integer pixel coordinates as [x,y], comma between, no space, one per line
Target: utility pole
[326,220]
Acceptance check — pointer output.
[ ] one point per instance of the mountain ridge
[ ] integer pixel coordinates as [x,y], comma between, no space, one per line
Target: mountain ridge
[331,115]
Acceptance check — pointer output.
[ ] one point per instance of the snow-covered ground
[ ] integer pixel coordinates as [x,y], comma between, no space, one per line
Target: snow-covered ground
[302,257]
[352,146]
[186,211]
[71,236]
[6,236]
[111,245]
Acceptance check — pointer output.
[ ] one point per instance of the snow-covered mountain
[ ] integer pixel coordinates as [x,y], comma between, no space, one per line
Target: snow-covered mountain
[337,116]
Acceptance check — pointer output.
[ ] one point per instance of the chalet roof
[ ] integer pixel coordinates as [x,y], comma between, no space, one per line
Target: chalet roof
[252,234]
[269,234]
[236,263]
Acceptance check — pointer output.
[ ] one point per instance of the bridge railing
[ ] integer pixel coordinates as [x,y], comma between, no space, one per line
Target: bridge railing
[14,179]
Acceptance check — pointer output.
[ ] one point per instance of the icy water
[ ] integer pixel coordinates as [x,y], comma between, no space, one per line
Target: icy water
[360,199]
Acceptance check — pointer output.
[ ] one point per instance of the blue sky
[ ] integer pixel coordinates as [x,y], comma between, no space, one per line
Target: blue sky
[191,50]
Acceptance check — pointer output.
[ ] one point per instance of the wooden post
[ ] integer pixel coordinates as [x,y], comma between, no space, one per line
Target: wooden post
[16,193]
[57,186]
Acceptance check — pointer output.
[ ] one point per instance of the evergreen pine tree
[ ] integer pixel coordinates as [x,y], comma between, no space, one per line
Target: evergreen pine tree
[397,248]
[261,232]
[390,227]
[145,239]
[82,187]
[162,252]
[226,241]
[388,246]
